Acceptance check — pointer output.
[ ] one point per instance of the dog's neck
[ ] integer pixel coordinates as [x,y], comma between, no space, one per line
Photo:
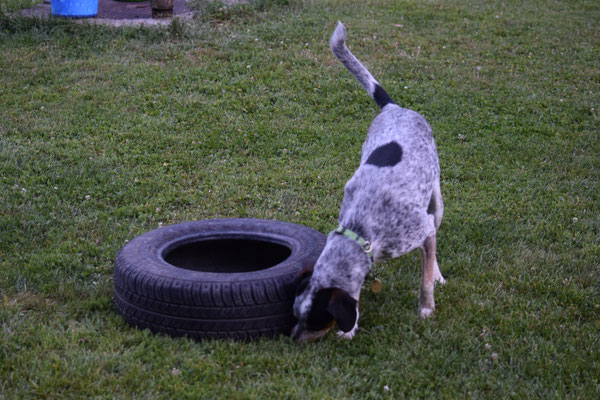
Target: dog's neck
[343,264]
[364,244]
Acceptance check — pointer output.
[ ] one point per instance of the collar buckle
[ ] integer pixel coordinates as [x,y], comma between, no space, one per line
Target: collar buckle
[367,247]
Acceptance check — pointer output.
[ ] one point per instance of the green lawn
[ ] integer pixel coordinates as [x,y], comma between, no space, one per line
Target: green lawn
[244,112]
[7,6]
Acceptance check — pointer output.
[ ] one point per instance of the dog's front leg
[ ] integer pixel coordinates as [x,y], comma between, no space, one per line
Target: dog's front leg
[430,273]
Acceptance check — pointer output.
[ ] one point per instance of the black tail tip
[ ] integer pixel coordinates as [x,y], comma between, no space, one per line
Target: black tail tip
[381,97]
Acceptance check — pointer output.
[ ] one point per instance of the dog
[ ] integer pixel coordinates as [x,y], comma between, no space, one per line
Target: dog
[391,206]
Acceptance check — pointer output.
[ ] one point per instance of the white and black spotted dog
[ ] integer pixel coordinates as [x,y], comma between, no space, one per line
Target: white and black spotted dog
[392,205]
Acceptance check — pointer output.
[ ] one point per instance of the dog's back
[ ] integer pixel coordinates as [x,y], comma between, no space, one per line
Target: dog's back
[391,192]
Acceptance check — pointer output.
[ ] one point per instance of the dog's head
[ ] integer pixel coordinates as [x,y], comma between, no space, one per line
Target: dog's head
[319,309]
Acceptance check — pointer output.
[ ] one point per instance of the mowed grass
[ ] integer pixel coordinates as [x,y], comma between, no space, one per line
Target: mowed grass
[244,112]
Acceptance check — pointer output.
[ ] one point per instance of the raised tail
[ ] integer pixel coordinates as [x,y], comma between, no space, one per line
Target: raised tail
[364,77]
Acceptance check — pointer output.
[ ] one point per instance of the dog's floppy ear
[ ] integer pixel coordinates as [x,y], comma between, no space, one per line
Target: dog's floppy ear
[302,279]
[343,309]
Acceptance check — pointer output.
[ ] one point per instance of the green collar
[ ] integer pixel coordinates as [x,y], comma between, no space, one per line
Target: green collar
[362,242]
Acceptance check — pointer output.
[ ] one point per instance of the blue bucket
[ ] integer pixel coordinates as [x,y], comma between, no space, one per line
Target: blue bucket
[75,8]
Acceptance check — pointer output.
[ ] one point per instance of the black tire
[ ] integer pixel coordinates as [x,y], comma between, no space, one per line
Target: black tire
[227,278]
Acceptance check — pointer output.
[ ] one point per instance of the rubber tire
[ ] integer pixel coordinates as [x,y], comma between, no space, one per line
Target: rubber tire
[151,293]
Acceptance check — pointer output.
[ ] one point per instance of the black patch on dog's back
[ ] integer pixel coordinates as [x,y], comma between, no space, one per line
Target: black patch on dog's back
[387,155]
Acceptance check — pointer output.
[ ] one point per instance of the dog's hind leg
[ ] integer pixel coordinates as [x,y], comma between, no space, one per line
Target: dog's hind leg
[436,210]
[437,274]
[430,273]
[436,205]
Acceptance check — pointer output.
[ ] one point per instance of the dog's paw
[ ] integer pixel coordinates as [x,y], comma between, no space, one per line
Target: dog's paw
[437,275]
[425,312]
[348,335]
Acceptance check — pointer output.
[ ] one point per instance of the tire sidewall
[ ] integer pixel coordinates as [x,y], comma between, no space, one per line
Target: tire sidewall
[145,253]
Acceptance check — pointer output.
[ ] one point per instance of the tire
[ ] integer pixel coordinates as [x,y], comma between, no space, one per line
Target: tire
[224,278]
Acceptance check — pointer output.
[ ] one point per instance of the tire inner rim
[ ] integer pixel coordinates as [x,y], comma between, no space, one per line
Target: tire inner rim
[226,254]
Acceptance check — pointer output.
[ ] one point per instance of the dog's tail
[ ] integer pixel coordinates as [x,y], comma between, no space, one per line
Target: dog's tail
[364,77]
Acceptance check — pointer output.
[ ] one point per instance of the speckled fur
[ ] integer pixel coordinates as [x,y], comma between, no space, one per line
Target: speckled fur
[397,208]
[389,205]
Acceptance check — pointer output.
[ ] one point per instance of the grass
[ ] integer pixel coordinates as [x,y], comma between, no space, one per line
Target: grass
[243,112]
[9,6]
